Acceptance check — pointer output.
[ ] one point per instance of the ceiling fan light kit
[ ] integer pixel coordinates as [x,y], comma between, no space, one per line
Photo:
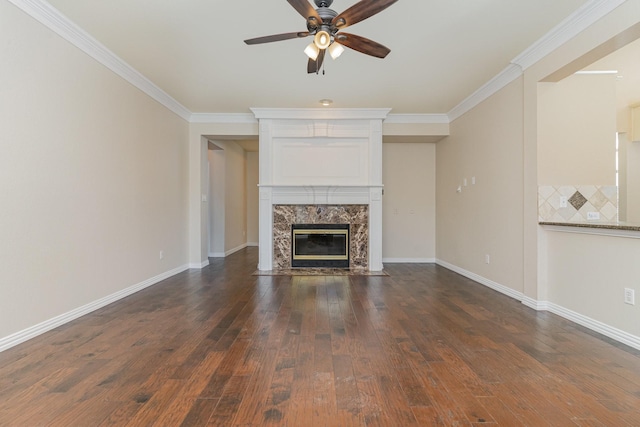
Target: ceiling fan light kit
[312,51]
[322,39]
[335,50]
[324,23]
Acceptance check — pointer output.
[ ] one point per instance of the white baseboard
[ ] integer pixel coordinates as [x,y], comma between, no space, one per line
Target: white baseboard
[483,281]
[253,244]
[229,252]
[409,260]
[33,331]
[199,266]
[594,325]
[236,249]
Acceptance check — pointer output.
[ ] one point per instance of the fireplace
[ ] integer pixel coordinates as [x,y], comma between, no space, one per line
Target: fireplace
[320,166]
[352,221]
[320,245]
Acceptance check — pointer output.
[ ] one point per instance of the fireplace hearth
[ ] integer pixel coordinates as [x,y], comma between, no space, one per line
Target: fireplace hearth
[320,245]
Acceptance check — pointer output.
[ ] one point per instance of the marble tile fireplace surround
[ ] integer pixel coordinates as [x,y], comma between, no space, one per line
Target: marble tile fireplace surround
[320,166]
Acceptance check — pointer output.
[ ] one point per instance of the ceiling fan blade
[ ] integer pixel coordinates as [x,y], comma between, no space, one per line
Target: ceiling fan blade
[307,11]
[362,45]
[277,37]
[313,66]
[360,11]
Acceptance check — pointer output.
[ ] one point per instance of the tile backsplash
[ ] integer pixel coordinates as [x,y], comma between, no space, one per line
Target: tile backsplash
[574,203]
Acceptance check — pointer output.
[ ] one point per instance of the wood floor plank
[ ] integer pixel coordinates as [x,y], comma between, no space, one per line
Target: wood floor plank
[219,346]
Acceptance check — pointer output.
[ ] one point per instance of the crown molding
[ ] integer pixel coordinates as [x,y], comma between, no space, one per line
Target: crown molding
[582,18]
[248,118]
[570,27]
[321,113]
[214,118]
[50,17]
[417,119]
[505,77]
[578,21]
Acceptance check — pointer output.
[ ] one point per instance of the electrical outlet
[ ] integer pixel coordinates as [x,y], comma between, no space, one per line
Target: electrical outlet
[563,202]
[161,254]
[593,216]
[629,296]
[487,259]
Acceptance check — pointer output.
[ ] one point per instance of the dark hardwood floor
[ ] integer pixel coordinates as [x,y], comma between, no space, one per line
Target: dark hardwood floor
[221,347]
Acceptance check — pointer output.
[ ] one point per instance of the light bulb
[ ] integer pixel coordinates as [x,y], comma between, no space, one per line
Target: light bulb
[322,39]
[312,51]
[335,50]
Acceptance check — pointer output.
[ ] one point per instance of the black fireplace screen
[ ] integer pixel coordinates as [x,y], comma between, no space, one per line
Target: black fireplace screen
[320,245]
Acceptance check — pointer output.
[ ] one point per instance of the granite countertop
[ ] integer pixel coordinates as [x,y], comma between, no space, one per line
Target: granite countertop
[620,225]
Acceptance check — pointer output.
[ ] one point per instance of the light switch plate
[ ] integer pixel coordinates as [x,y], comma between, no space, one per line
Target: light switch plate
[593,215]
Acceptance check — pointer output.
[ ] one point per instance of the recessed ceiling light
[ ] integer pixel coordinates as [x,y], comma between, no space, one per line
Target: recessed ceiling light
[326,102]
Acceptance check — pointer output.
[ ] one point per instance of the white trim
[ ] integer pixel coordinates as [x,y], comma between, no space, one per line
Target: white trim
[214,118]
[578,21]
[482,280]
[230,251]
[563,32]
[595,72]
[409,260]
[200,266]
[417,119]
[535,304]
[611,232]
[506,76]
[253,244]
[594,325]
[50,17]
[236,249]
[33,331]
[321,113]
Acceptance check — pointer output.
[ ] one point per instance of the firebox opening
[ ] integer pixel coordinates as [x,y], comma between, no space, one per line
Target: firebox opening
[320,245]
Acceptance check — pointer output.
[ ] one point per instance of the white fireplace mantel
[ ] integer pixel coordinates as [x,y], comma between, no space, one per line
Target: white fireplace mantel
[320,157]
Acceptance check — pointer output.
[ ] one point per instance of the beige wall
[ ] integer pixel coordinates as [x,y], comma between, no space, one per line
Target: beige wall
[93,179]
[632,159]
[252,198]
[217,185]
[228,207]
[199,134]
[484,218]
[408,205]
[498,142]
[235,197]
[587,274]
[557,258]
[576,131]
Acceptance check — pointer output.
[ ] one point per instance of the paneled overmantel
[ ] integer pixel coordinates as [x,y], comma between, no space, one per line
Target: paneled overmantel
[315,158]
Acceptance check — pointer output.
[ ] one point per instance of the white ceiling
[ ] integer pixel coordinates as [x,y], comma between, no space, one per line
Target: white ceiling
[441,50]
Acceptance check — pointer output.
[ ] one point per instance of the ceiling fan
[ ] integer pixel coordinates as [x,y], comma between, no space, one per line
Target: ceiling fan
[324,24]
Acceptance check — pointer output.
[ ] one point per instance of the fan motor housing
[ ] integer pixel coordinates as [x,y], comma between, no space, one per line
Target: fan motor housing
[323,3]
[326,14]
